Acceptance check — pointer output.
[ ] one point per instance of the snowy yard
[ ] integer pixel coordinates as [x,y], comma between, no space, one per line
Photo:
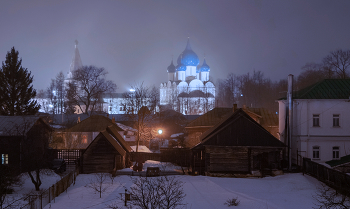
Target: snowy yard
[288,191]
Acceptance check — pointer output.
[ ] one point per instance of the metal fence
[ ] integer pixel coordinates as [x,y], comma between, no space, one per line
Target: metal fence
[41,200]
[333,178]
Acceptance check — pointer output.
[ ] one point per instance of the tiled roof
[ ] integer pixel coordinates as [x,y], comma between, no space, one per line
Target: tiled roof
[341,161]
[326,89]
[94,123]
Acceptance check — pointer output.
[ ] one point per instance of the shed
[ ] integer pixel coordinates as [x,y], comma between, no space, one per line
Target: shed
[107,153]
[24,142]
[238,144]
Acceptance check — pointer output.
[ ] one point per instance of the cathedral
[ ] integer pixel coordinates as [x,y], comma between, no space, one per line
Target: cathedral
[189,89]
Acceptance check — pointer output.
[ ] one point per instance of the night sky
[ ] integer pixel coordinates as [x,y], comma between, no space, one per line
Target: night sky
[136,40]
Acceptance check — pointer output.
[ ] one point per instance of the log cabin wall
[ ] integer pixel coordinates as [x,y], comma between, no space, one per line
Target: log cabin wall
[221,159]
[102,157]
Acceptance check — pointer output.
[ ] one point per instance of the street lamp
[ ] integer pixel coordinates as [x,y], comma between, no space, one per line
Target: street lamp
[160,131]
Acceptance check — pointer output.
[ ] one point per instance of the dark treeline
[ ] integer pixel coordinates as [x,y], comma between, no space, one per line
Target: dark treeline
[255,90]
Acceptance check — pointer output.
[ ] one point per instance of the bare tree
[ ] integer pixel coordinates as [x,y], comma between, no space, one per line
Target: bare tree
[312,73]
[89,85]
[140,106]
[98,183]
[60,92]
[338,61]
[157,192]
[328,198]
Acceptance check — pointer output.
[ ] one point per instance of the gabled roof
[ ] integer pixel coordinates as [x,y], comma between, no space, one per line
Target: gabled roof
[18,125]
[94,123]
[341,161]
[216,115]
[113,137]
[112,130]
[326,89]
[239,129]
[210,118]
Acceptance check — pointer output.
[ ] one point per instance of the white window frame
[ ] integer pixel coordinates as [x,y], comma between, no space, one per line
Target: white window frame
[316,152]
[335,152]
[316,117]
[336,120]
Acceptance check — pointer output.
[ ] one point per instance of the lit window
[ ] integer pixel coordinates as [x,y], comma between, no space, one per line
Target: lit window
[316,152]
[335,152]
[84,139]
[316,120]
[4,159]
[336,120]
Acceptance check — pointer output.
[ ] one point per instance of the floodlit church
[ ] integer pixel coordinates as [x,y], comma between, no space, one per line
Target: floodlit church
[189,89]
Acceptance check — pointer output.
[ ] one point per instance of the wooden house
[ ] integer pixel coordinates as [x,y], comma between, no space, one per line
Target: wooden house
[81,135]
[107,153]
[197,127]
[238,144]
[23,139]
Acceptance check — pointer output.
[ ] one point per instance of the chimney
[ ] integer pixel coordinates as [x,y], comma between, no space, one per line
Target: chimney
[113,120]
[78,120]
[234,107]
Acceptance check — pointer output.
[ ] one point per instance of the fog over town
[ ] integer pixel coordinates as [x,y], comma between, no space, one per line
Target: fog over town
[174,104]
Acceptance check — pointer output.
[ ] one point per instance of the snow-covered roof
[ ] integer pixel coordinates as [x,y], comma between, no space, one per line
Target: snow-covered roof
[142,148]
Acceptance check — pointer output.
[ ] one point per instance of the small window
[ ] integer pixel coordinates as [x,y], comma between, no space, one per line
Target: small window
[110,108]
[120,108]
[316,152]
[335,152]
[336,120]
[84,139]
[316,120]
[4,159]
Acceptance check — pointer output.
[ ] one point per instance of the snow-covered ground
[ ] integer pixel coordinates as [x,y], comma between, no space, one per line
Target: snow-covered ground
[287,191]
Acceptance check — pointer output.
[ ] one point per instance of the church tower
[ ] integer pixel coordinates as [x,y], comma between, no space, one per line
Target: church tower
[76,62]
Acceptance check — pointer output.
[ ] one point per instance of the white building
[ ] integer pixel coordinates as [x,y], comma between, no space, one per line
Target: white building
[321,121]
[189,89]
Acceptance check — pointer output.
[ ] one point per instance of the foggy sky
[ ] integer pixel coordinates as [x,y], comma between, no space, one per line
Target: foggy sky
[136,40]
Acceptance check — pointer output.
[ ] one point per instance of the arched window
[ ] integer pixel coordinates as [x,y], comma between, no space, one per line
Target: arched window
[335,152]
[315,152]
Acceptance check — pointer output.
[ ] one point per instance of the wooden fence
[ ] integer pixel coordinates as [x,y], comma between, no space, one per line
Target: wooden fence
[41,200]
[333,178]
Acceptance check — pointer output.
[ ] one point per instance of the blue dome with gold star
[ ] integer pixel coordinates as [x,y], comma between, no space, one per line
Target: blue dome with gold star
[188,57]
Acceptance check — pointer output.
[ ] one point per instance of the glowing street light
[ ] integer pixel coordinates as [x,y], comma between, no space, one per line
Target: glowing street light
[160,131]
[132,90]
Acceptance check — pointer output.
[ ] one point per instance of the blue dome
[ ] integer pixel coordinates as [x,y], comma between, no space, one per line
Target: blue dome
[188,57]
[171,68]
[180,67]
[204,67]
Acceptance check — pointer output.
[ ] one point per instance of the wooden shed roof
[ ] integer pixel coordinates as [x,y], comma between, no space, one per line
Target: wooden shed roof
[218,114]
[210,118]
[239,129]
[94,123]
[113,137]
[114,133]
[18,125]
